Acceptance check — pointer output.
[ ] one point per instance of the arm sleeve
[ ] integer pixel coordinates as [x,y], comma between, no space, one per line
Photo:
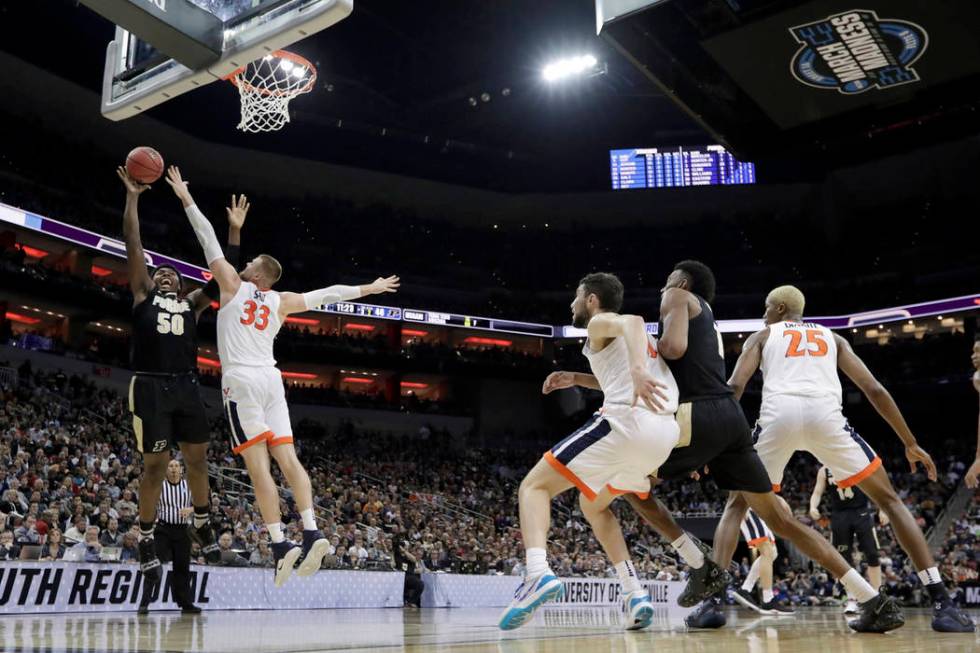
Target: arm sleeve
[211,289]
[330,295]
[205,234]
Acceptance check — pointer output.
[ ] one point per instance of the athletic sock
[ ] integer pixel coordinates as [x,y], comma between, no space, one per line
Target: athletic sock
[857,587]
[934,585]
[689,551]
[146,530]
[627,576]
[202,515]
[309,522]
[275,533]
[753,575]
[767,595]
[537,562]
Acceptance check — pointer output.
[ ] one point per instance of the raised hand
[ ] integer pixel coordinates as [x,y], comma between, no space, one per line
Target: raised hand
[972,474]
[558,381]
[133,187]
[382,285]
[178,184]
[237,211]
[917,454]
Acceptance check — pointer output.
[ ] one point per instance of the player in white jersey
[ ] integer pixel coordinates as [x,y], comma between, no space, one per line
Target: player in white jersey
[611,455]
[801,411]
[250,316]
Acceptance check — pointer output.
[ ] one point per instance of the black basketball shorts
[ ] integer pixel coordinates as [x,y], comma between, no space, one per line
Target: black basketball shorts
[845,525]
[715,433]
[167,409]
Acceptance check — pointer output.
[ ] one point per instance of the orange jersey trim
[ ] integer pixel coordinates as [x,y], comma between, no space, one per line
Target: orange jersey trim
[261,437]
[570,475]
[863,474]
[617,492]
[280,439]
[776,487]
[759,540]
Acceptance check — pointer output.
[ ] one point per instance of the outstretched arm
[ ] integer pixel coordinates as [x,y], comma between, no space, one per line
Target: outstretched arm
[817,495]
[881,399]
[292,302]
[562,380]
[140,282]
[674,315]
[211,291]
[222,270]
[748,361]
[633,330]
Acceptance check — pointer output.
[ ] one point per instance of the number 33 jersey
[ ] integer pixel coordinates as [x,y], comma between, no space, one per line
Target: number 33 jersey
[247,327]
[164,335]
[800,358]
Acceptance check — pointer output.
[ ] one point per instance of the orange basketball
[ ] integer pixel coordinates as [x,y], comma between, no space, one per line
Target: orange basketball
[144,164]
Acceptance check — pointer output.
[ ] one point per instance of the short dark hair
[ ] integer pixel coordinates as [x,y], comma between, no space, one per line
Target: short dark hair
[180,277]
[607,287]
[702,278]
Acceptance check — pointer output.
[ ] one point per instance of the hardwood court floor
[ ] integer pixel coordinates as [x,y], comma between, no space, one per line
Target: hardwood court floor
[564,630]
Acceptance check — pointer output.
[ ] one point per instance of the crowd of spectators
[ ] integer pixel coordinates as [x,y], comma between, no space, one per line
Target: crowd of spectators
[69,479]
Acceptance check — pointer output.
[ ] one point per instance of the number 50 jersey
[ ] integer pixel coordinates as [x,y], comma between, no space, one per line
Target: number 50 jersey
[164,335]
[247,327]
[800,359]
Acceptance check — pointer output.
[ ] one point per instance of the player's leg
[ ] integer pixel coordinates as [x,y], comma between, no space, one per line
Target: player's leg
[842,537]
[767,556]
[867,540]
[194,436]
[152,428]
[259,466]
[754,534]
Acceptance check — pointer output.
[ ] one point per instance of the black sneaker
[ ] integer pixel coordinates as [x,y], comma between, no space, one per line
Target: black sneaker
[708,615]
[879,615]
[149,562]
[204,538]
[707,581]
[315,547]
[947,618]
[143,609]
[776,610]
[190,609]
[746,599]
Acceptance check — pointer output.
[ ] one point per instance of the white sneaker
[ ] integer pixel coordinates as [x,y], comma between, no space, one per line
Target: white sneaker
[638,610]
[529,596]
[851,607]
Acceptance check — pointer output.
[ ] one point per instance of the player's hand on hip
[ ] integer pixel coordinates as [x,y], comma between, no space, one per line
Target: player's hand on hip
[237,211]
[814,514]
[917,454]
[971,475]
[648,389]
[558,381]
[382,285]
[177,182]
[133,187]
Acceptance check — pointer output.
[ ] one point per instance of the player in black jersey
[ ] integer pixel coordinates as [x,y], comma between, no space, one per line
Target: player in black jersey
[851,515]
[164,394]
[716,435]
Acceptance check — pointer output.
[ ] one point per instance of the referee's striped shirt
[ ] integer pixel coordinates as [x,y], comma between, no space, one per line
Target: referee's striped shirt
[173,497]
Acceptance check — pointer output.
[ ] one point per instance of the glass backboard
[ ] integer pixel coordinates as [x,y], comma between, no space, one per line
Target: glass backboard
[137,76]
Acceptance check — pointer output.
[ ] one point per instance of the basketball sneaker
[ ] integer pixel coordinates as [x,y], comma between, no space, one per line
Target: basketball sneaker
[775,609]
[878,615]
[285,554]
[708,615]
[204,537]
[745,598]
[531,594]
[149,562]
[851,607]
[315,547]
[947,618]
[704,582]
[638,610]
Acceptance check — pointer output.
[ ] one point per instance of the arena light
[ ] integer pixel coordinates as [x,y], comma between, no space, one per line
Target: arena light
[207,362]
[100,271]
[357,379]
[417,333]
[302,320]
[414,385]
[33,252]
[22,319]
[298,375]
[495,342]
[570,67]
[354,326]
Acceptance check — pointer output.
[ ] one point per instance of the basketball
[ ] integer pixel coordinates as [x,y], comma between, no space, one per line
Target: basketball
[144,164]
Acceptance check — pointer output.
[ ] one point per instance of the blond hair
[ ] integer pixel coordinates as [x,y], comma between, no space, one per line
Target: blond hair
[790,296]
[271,267]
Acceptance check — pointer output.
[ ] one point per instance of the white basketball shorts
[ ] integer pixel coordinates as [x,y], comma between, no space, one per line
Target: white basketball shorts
[255,403]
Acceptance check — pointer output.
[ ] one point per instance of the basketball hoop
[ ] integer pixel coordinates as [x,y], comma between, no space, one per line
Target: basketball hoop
[267,85]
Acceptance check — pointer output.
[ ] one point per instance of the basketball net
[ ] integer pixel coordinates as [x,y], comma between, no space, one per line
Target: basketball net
[267,85]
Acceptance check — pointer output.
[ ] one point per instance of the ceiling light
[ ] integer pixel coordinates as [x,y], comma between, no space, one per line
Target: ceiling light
[564,68]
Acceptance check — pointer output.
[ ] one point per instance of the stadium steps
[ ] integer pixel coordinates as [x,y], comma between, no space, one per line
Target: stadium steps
[955,508]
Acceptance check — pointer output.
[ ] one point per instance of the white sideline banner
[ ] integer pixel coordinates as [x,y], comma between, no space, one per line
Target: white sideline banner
[40,587]
[469,591]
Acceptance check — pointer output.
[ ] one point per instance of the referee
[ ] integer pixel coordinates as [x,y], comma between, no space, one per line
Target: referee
[172,540]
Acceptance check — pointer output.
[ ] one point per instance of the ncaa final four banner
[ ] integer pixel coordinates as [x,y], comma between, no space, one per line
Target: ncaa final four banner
[78,587]
[468,591]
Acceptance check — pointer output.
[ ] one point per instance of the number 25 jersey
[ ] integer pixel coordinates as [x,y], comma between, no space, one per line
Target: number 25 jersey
[800,358]
[247,327]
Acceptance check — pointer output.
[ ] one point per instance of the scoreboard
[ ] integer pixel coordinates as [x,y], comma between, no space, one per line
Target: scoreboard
[653,167]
